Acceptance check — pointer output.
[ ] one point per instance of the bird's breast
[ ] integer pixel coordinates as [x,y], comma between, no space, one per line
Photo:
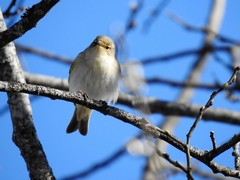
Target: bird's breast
[98,78]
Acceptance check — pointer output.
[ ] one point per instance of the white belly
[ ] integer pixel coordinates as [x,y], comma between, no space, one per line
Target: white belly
[99,82]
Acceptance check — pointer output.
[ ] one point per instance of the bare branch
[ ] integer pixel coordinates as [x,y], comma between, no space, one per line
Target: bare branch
[24,132]
[7,12]
[181,109]
[126,117]
[54,82]
[101,106]
[227,145]
[18,11]
[155,105]
[144,61]
[214,22]
[174,163]
[191,52]
[206,30]
[197,171]
[210,101]
[135,7]
[51,56]
[28,21]
[206,86]
[204,108]
[213,140]
[97,166]
[155,13]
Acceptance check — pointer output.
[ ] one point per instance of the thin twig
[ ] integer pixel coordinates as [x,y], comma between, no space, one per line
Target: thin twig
[135,8]
[210,101]
[97,166]
[190,27]
[31,50]
[203,109]
[197,171]
[155,13]
[225,146]
[174,83]
[7,12]
[213,140]
[174,163]
[16,12]
[184,53]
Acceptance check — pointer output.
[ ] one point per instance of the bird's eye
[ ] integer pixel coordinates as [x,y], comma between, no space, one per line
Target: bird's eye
[108,47]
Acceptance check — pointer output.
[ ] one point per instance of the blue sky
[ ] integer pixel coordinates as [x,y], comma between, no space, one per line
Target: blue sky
[68,29]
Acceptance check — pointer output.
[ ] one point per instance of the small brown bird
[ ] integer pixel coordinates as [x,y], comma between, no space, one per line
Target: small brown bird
[96,72]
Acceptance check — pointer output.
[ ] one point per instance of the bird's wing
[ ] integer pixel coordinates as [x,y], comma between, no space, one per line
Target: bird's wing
[76,61]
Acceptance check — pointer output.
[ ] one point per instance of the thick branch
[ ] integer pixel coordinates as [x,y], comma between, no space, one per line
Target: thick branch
[126,117]
[153,104]
[180,109]
[24,133]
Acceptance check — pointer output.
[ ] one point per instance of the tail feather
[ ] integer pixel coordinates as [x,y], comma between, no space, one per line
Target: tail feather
[73,125]
[80,120]
[83,127]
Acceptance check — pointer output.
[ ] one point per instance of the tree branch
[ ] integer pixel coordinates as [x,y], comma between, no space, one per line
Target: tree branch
[180,109]
[183,53]
[214,22]
[206,30]
[97,166]
[28,21]
[219,150]
[126,117]
[153,104]
[24,132]
[7,12]
[174,83]
[51,56]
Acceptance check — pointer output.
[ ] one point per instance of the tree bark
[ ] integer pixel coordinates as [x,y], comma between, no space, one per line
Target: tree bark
[24,132]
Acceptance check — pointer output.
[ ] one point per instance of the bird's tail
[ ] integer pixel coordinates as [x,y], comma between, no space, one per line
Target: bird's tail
[80,120]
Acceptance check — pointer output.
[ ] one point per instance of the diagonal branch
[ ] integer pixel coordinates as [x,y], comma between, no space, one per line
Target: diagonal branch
[155,105]
[29,20]
[97,166]
[206,30]
[7,12]
[214,22]
[211,99]
[39,52]
[219,150]
[126,117]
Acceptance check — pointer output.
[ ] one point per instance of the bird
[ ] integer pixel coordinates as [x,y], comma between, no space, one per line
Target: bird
[95,72]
